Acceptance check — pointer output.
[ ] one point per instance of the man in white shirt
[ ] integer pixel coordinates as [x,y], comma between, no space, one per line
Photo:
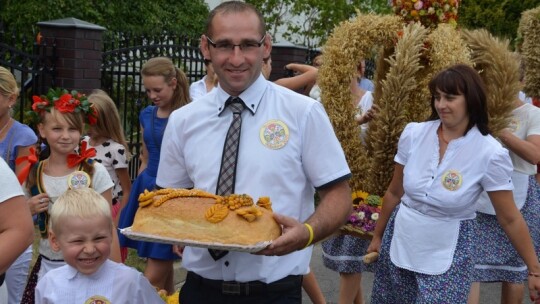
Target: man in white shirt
[287,150]
[206,84]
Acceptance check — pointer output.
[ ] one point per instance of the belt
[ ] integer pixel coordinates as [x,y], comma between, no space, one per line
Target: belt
[247,288]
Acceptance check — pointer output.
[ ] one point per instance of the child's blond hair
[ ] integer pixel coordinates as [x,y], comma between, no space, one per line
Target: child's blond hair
[81,203]
[108,123]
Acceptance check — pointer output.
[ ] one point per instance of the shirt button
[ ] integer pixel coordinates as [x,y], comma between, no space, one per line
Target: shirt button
[432,177]
[227,263]
[426,194]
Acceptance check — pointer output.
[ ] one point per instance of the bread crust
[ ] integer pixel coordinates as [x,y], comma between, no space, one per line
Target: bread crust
[183,218]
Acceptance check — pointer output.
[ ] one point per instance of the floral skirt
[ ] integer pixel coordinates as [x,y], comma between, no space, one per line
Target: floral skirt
[397,285]
[496,258]
[344,254]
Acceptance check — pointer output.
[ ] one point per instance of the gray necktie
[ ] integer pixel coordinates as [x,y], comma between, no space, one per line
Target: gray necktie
[227,171]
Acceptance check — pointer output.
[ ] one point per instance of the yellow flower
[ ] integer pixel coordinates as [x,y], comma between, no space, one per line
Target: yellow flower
[359,197]
[174,298]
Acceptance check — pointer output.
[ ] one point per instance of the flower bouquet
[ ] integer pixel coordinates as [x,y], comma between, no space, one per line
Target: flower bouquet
[428,12]
[363,218]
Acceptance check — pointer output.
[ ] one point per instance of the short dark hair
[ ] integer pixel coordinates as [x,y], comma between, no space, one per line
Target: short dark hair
[462,79]
[234,7]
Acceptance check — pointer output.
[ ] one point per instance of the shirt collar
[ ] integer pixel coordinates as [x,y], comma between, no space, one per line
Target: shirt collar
[72,272]
[252,96]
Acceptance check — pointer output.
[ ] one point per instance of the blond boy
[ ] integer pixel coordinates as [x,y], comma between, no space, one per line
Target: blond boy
[81,228]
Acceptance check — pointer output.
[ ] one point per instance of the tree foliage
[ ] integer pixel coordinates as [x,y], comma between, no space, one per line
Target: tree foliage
[138,17]
[500,18]
[310,22]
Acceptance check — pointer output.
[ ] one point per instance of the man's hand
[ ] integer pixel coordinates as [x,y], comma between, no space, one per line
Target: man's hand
[295,237]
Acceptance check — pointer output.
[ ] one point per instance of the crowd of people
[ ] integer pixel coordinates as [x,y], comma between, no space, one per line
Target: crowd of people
[462,206]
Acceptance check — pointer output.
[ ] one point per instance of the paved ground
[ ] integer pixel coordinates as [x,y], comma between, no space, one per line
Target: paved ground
[329,282]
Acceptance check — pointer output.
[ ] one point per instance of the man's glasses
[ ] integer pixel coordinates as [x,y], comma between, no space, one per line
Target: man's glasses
[227,47]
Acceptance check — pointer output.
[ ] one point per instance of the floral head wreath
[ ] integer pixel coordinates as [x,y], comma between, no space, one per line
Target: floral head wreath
[64,102]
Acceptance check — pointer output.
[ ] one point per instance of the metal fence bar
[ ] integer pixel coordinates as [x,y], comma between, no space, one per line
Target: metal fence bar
[32,64]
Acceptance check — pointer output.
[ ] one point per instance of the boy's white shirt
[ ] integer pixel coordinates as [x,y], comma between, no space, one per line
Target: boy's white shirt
[115,282]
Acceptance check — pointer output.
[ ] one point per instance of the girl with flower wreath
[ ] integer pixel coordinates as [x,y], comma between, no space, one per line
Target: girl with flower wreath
[60,122]
[167,87]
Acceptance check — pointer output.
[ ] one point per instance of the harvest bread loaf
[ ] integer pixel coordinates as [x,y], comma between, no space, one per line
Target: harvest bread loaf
[204,217]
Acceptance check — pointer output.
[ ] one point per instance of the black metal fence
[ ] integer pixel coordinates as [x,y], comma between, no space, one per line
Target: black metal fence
[32,63]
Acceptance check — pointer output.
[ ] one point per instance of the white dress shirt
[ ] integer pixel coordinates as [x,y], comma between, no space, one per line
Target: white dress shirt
[198,89]
[525,121]
[441,193]
[117,283]
[287,147]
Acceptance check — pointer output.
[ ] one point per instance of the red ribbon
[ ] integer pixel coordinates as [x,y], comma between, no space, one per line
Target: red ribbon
[31,159]
[75,159]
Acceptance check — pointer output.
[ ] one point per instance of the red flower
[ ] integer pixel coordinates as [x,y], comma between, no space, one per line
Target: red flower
[39,104]
[536,101]
[92,116]
[66,104]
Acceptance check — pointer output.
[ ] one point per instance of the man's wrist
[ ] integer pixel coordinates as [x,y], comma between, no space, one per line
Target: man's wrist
[310,230]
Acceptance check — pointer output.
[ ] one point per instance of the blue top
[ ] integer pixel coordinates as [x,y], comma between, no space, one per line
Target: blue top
[152,135]
[19,135]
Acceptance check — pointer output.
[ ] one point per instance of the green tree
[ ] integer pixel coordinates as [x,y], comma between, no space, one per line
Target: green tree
[309,22]
[500,18]
[135,16]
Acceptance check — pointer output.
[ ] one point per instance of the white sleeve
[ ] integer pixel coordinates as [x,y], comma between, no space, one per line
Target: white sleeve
[9,184]
[405,144]
[101,180]
[323,158]
[118,153]
[146,293]
[498,174]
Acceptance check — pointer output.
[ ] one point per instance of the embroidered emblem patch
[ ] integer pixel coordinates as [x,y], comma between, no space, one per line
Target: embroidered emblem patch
[513,125]
[274,134]
[452,180]
[78,180]
[97,300]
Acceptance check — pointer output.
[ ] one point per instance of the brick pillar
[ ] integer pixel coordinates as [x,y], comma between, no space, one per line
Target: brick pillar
[79,46]
[283,54]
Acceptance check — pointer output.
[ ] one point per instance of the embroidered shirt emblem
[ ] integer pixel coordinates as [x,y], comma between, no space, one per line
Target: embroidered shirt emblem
[513,125]
[97,300]
[79,179]
[274,134]
[452,180]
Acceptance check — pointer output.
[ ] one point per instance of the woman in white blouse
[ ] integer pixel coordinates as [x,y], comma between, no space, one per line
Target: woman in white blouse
[442,166]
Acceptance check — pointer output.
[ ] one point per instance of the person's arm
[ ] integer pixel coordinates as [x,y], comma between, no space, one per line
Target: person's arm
[22,151]
[514,226]
[16,230]
[334,208]
[391,199]
[144,155]
[368,116]
[125,183]
[528,149]
[115,247]
[307,77]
